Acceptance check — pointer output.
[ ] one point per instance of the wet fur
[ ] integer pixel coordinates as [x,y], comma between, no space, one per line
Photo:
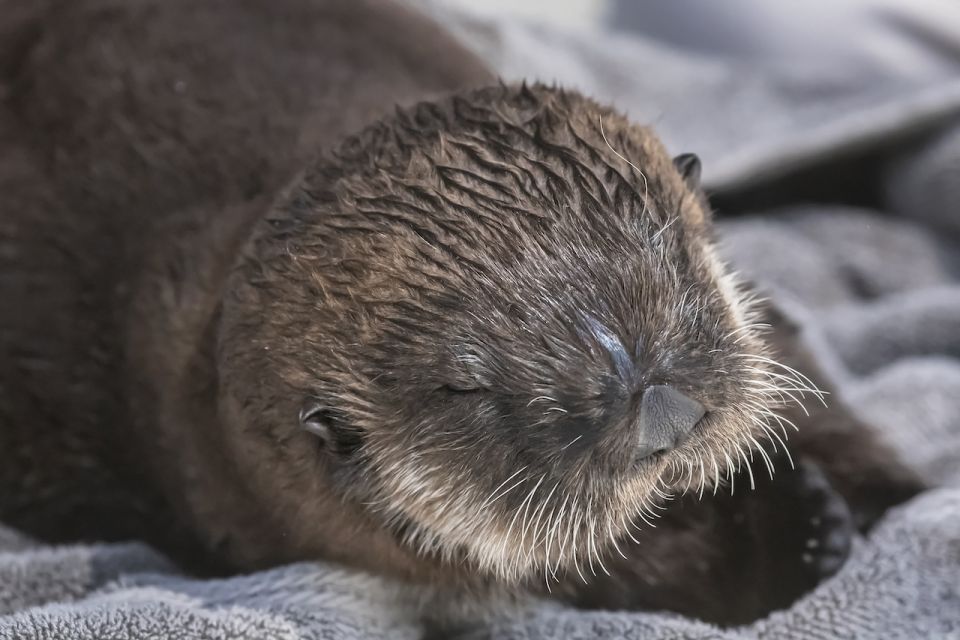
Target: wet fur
[740,552]
[198,255]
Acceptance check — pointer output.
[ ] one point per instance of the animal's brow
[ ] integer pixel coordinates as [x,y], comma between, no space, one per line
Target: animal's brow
[622,361]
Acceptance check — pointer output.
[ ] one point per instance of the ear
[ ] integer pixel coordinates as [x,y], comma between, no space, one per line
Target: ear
[688,165]
[329,427]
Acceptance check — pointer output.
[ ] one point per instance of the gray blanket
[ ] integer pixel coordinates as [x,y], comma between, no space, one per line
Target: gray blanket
[878,293]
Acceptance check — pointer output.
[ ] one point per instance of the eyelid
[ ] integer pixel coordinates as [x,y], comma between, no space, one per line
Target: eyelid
[461,389]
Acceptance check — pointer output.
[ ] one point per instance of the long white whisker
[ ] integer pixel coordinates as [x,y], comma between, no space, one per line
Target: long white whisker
[490,499]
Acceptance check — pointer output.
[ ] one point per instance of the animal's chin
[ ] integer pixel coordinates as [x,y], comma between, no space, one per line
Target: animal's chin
[527,539]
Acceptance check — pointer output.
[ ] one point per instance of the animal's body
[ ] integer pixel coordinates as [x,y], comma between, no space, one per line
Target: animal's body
[470,345]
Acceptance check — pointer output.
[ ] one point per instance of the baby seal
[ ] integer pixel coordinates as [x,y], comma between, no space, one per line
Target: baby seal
[477,343]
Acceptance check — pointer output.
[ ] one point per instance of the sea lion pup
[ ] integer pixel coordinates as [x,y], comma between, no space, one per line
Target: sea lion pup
[475,345]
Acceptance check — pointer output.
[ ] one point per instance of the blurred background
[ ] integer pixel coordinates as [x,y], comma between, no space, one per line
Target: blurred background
[765,92]
[817,30]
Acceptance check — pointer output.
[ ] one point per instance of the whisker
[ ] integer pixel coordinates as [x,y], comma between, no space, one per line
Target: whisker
[646,188]
[489,501]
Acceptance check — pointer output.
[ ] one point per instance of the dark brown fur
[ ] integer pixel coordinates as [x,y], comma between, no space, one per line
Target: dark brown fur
[140,141]
[182,280]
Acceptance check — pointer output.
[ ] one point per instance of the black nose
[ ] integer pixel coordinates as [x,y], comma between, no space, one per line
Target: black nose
[666,419]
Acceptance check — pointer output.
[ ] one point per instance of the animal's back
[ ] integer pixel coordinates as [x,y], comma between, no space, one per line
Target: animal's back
[130,134]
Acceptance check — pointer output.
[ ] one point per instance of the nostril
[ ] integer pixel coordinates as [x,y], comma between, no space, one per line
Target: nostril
[667,417]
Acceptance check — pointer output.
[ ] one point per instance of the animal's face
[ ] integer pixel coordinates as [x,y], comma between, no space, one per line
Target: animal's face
[509,330]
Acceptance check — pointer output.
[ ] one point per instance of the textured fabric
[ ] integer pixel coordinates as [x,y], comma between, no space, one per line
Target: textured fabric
[878,295]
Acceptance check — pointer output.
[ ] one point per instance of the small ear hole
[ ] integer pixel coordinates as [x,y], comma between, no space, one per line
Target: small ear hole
[688,165]
[329,426]
[317,427]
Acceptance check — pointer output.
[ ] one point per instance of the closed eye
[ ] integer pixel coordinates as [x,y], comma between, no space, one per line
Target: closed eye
[460,388]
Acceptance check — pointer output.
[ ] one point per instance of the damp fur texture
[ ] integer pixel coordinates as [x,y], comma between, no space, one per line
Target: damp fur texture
[464,298]
[476,291]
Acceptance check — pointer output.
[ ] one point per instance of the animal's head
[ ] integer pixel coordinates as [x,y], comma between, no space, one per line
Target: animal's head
[497,326]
